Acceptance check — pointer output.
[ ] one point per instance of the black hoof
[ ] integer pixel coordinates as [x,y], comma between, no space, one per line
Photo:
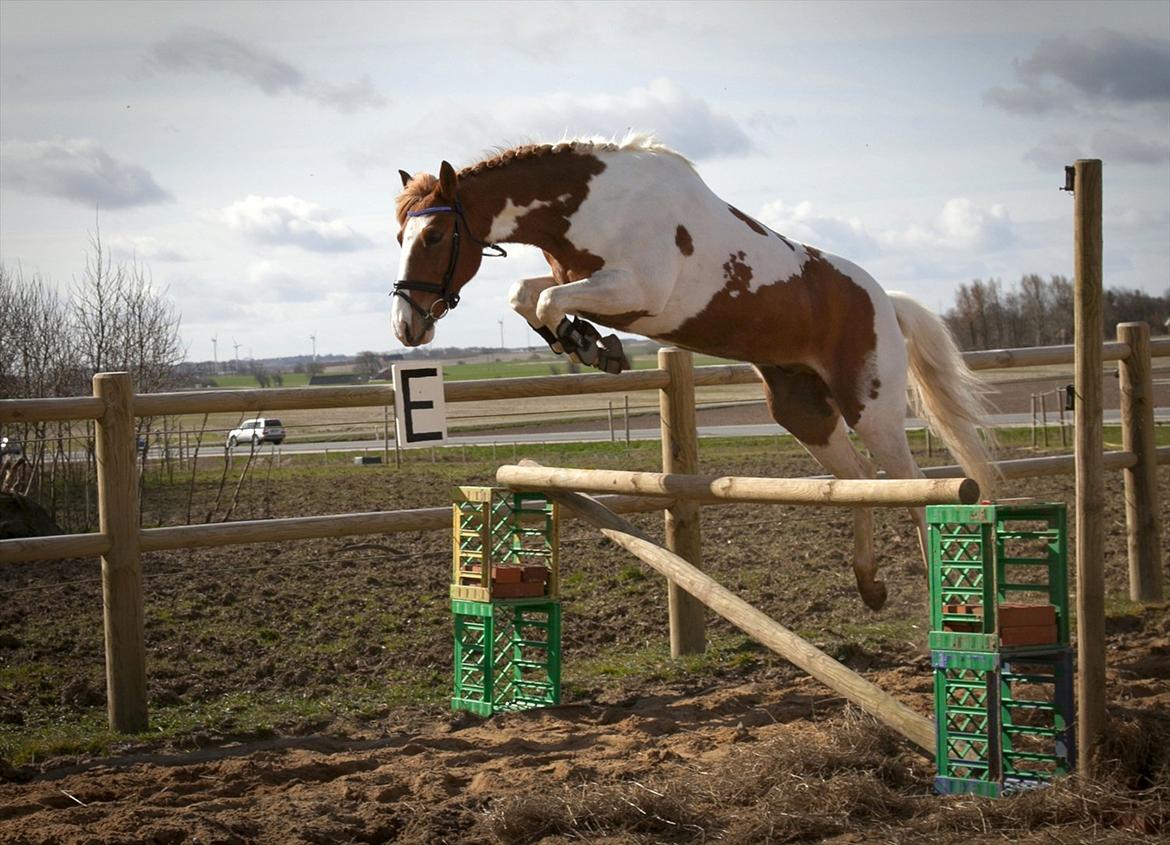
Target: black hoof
[613,357]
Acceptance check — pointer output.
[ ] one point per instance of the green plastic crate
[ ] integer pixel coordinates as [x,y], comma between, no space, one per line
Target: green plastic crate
[507,655]
[990,554]
[498,527]
[1004,722]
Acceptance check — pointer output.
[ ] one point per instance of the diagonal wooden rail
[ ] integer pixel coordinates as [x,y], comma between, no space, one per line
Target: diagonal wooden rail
[838,677]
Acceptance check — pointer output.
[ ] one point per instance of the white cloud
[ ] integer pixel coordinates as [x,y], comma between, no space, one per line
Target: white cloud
[78,170]
[961,226]
[291,221]
[846,237]
[680,120]
[199,50]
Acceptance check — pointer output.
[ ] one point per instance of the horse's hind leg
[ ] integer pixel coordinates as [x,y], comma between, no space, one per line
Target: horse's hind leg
[882,429]
[799,400]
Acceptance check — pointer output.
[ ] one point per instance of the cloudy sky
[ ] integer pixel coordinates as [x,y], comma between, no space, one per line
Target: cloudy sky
[248,152]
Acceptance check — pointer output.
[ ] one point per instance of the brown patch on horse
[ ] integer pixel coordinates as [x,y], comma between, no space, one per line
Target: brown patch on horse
[759,228]
[819,316]
[800,401]
[682,239]
[751,224]
[736,273]
[557,175]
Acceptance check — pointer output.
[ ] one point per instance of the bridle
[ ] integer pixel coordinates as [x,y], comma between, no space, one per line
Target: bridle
[447,298]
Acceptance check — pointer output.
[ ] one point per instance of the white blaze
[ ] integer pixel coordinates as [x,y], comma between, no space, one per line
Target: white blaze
[401,314]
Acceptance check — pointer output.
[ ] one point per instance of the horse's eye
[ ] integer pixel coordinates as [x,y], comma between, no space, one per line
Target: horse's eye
[432,236]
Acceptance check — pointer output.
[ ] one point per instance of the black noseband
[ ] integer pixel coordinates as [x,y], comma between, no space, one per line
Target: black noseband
[447,298]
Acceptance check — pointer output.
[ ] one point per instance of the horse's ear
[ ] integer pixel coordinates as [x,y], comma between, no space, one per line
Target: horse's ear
[447,180]
[405,177]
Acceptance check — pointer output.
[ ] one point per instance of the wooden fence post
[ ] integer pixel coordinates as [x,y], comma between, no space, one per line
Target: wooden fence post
[1141,484]
[121,567]
[680,454]
[1090,482]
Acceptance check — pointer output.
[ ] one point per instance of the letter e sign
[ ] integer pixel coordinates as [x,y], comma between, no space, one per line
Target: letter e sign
[420,410]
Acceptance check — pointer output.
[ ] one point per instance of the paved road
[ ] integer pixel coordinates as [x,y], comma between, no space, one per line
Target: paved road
[603,435]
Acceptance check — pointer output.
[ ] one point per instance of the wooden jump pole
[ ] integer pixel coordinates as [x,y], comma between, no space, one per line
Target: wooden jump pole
[872,699]
[894,492]
[1088,445]
[680,454]
[117,483]
[1141,483]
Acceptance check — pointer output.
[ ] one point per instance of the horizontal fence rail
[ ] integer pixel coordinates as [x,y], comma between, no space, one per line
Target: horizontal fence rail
[439,519]
[777,491]
[378,395]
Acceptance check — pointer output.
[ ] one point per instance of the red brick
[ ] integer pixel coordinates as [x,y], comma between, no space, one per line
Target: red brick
[535,573]
[507,574]
[520,590]
[1028,635]
[1026,615]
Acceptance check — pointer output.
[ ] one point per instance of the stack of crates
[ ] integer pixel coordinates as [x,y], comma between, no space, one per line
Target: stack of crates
[505,599]
[999,641]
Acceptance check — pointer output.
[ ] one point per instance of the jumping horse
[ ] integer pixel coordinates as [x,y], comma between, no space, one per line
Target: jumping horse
[637,242]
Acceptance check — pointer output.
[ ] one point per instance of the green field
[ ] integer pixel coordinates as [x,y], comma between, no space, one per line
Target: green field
[539,364]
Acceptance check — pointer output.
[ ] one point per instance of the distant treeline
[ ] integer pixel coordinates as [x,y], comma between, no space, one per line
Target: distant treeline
[1035,312]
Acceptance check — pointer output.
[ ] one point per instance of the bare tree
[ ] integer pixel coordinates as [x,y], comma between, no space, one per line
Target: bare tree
[123,323]
[368,363]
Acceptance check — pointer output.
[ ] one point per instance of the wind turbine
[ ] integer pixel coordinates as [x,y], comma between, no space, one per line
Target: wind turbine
[215,354]
[236,344]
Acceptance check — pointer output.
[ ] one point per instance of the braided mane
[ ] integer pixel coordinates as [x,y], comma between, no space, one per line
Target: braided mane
[634,142]
[424,184]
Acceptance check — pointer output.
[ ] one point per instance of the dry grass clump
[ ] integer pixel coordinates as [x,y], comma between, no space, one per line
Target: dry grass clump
[852,775]
[805,784]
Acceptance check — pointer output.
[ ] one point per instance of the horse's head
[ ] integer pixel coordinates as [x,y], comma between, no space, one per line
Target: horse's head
[433,268]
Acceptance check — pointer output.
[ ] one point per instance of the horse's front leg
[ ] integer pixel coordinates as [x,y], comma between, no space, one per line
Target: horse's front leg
[523,297]
[605,293]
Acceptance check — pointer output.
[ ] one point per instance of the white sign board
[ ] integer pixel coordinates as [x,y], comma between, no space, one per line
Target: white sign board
[419,407]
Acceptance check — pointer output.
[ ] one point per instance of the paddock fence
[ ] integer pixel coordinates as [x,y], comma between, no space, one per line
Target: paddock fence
[120,541]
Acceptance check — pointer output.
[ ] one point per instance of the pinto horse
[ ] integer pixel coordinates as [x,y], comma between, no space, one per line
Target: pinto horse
[636,241]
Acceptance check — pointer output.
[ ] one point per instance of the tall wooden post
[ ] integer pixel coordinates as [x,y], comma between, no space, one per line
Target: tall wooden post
[1141,486]
[680,454]
[1090,482]
[121,566]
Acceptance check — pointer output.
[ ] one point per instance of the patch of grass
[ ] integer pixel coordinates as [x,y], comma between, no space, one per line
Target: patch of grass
[243,714]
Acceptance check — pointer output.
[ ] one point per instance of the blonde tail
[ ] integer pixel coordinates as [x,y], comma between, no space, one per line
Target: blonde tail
[952,399]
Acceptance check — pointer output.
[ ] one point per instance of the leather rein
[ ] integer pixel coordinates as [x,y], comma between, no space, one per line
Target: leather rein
[447,298]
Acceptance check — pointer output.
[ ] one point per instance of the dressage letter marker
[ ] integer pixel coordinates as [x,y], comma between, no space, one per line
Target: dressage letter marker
[422,412]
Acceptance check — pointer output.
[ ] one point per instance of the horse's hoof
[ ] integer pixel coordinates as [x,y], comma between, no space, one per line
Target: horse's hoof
[873,594]
[614,354]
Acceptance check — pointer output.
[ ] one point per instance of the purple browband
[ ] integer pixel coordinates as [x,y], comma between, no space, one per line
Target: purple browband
[423,212]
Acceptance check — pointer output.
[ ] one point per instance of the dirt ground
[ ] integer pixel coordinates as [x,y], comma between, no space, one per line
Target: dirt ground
[736,747]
